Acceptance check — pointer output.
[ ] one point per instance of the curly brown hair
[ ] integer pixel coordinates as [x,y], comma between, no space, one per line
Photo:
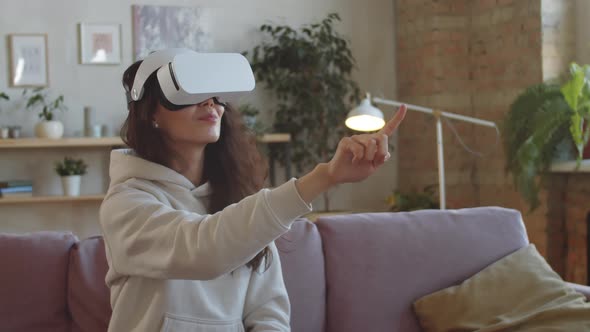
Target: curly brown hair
[233,165]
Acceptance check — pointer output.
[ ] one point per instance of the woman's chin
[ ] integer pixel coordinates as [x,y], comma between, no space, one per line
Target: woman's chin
[208,139]
[201,140]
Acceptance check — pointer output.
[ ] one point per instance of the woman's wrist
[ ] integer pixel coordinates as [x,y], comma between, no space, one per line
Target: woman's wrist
[314,183]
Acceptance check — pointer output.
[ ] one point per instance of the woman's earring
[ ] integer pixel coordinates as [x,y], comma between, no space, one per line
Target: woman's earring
[156,125]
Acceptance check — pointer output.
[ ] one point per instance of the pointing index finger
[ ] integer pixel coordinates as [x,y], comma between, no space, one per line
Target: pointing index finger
[394,122]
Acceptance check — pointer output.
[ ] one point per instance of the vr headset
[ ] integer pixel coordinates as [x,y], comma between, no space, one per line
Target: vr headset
[187,77]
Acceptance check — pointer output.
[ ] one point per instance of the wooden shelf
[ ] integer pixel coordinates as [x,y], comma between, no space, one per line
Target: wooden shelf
[50,199]
[30,142]
[570,167]
[21,143]
[274,138]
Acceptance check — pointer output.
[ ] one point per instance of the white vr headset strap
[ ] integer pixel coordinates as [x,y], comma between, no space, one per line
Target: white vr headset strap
[150,64]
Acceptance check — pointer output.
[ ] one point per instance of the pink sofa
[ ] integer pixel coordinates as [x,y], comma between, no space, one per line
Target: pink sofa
[344,273]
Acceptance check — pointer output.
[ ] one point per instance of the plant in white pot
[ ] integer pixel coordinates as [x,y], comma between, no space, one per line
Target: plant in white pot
[71,171]
[48,127]
[3,130]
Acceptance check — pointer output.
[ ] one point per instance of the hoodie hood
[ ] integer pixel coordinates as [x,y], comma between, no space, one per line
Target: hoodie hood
[126,164]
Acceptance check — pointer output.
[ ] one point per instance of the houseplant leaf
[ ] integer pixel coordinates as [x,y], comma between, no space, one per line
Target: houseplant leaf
[534,130]
[577,94]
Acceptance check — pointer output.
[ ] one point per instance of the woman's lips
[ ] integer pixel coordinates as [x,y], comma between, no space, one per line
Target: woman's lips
[208,118]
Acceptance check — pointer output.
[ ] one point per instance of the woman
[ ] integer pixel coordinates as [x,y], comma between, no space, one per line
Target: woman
[188,230]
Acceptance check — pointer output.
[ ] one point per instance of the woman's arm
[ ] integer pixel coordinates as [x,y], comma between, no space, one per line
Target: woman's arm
[147,238]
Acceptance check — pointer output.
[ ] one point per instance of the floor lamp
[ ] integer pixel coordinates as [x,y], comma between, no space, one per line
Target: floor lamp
[366,117]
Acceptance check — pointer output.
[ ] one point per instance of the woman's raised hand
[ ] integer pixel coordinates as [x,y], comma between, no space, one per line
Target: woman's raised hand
[359,156]
[356,158]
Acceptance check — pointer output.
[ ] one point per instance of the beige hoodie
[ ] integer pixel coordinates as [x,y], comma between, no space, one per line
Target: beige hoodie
[175,268]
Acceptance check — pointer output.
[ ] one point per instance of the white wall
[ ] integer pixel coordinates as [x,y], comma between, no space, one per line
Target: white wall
[233,25]
[583,31]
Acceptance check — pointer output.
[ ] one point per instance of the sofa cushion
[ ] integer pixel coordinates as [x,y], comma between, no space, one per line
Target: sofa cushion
[33,279]
[88,295]
[378,264]
[302,262]
[518,292]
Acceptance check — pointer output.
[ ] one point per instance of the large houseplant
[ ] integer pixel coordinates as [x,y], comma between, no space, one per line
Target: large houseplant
[39,99]
[546,123]
[309,71]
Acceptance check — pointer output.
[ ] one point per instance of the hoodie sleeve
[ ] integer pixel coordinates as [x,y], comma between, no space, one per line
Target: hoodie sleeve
[149,238]
[267,305]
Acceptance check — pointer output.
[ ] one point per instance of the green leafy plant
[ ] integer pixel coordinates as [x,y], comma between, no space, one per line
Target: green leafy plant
[577,96]
[4,96]
[545,124]
[426,199]
[309,72]
[39,98]
[250,114]
[248,110]
[70,166]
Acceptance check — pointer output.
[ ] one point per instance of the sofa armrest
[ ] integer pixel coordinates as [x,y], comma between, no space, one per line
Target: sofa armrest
[580,289]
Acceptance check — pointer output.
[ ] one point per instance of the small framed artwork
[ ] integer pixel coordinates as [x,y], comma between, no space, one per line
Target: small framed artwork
[28,60]
[100,44]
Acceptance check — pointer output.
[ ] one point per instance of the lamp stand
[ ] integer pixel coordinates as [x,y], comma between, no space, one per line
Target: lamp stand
[441,164]
[439,137]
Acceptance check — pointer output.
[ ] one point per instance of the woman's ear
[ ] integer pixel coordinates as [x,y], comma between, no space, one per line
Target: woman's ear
[154,121]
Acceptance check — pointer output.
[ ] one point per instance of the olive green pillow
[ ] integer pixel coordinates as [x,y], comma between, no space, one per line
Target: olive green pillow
[520,292]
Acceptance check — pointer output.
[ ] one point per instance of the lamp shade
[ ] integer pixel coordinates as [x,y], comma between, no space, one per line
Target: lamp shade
[365,117]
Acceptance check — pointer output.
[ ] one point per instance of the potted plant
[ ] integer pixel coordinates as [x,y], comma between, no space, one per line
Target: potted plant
[250,116]
[426,199]
[309,72]
[3,130]
[4,96]
[544,124]
[71,170]
[48,127]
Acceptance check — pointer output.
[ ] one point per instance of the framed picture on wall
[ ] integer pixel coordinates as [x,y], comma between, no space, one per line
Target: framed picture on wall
[28,60]
[159,27]
[100,44]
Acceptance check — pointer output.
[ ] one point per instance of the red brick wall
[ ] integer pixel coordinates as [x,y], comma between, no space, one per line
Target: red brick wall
[576,214]
[433,59]
[472,58]
[569,209]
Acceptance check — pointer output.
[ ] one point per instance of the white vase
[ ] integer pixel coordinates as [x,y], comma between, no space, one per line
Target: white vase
[71,185]
[49,129]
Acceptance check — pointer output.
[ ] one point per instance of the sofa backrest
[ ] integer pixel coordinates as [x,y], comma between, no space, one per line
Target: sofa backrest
[88,295]
[33,275]
[378,264]
[302,261]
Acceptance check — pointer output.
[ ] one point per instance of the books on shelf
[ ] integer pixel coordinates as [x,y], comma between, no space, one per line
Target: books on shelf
[15,183]
[16,188]
[23,194]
